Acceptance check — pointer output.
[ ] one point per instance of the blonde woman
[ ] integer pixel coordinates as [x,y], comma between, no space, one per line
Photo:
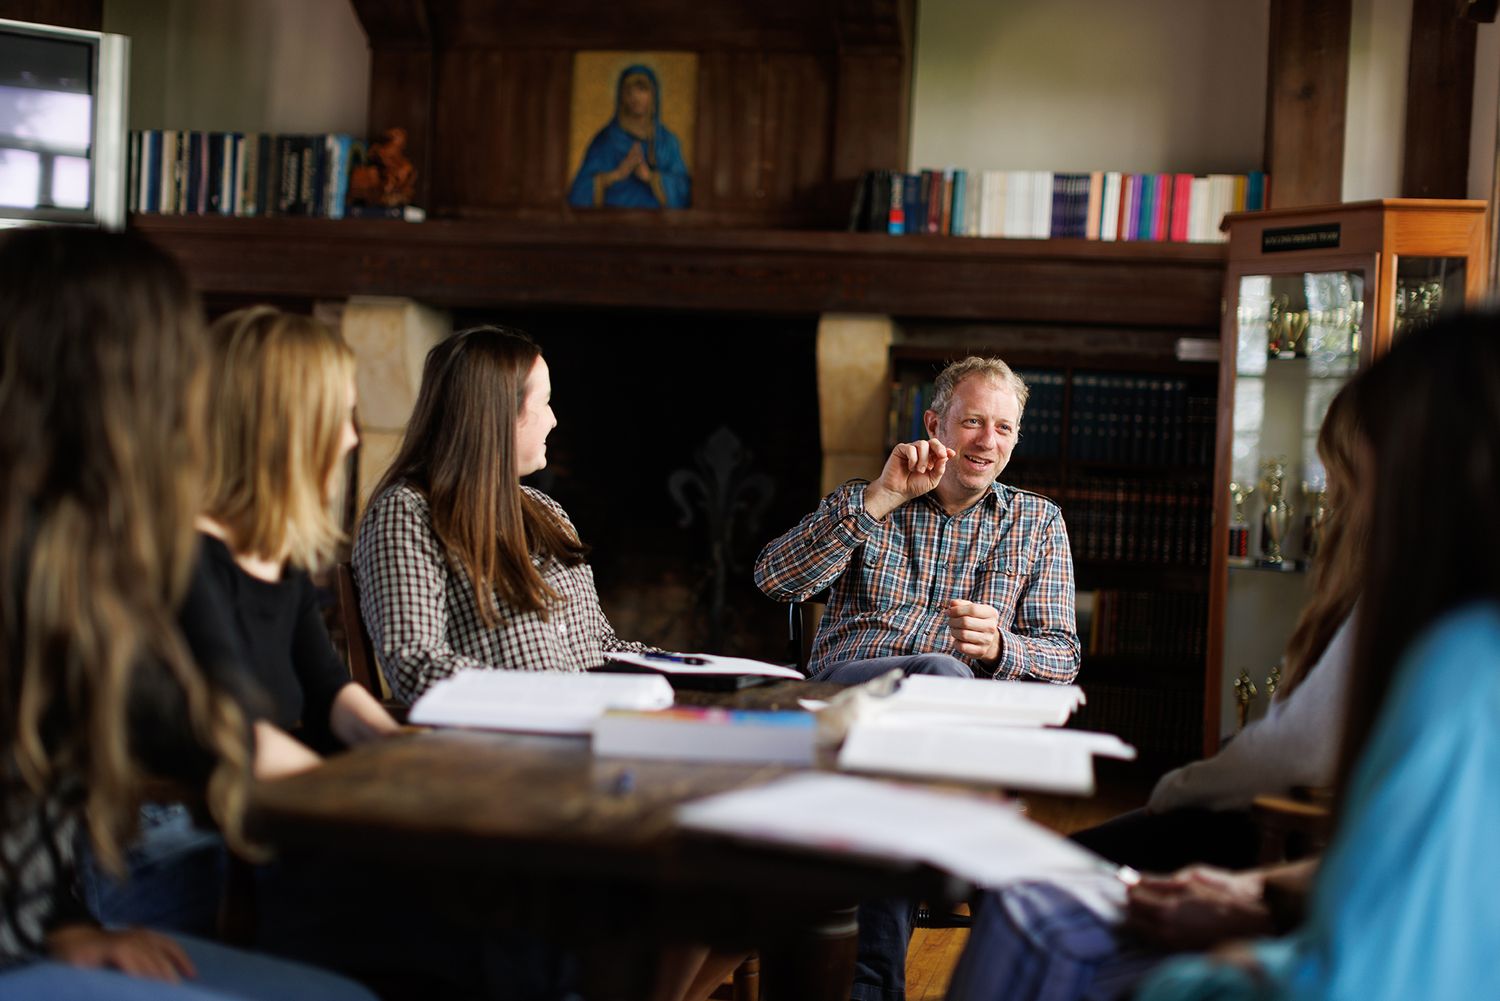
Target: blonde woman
[281,424]
[101,409]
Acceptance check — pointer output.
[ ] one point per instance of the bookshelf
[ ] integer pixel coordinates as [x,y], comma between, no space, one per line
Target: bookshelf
[1124,444]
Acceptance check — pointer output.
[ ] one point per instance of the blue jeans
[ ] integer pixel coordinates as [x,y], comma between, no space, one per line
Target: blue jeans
[223,974]
[857,672]
[1036,942]
[174,876]
[880,960]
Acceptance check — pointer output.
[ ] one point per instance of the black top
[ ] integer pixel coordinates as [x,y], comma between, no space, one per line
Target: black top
[39,830]
[286,648]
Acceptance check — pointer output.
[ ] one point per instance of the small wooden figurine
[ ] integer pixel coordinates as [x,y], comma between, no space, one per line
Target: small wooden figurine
[386,177]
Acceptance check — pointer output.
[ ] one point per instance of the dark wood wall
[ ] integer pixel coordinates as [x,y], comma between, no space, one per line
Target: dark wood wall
[86,15]
[796,98]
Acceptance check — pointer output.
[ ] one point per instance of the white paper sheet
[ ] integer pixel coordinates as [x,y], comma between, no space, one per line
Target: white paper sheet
[536,701]
[986,842]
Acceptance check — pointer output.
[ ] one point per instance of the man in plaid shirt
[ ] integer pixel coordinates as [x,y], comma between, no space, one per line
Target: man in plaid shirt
[936,567]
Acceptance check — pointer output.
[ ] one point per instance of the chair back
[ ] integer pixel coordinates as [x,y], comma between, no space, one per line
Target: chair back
[362,664]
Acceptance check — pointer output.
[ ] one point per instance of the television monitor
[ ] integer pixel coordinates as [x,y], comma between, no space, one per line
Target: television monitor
[62,125]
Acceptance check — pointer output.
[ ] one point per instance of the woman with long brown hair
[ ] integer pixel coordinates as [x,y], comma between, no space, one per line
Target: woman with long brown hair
[1404,904]
[101,402]
[459,565]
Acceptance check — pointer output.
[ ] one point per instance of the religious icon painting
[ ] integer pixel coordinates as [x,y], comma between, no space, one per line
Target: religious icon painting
[632,129]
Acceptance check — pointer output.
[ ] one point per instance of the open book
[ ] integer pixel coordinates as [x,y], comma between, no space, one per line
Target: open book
[971,730]
[1021,703]
[536,701]
[1031,758]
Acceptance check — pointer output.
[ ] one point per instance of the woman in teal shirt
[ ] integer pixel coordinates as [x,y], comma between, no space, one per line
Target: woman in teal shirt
[1406,903]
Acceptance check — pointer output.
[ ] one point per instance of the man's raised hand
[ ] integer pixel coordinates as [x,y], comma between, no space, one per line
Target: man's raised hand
[911,470]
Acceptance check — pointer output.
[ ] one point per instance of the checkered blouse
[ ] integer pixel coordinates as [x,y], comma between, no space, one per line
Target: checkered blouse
[892,579]
[419,606]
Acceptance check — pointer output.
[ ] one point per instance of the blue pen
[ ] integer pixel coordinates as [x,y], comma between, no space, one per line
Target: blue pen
[675,658]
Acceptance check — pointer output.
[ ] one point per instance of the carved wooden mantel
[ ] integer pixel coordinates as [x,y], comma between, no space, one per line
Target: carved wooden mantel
[479,265]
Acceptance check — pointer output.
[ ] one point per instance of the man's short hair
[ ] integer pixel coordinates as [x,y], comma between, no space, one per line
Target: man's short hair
[990,368]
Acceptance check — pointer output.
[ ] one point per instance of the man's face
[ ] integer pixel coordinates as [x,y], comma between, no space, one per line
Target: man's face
[982,425]
[637,95]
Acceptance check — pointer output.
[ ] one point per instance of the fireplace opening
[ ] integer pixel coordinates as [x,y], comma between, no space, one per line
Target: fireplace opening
[684,443]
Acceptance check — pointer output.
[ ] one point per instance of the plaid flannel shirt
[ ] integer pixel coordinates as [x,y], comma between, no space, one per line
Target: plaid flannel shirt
[892,579]
[424,622]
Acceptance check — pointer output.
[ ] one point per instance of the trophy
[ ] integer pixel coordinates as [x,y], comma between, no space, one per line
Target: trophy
[1286,329]
[1239,528]
[1244,694]
[1312,520]
[1276,519]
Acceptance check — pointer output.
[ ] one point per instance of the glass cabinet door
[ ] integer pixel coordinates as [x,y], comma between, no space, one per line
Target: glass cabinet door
[1299,339]
[1427,288]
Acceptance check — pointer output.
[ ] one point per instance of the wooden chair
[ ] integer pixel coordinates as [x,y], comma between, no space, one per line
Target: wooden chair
[362,664]
[1293,826]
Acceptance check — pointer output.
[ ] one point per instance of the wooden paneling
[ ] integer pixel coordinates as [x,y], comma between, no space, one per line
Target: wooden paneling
[501,129]
[696,25]
[1439,102]
[87,15]
[1307,86]
[795,99]
[586,263]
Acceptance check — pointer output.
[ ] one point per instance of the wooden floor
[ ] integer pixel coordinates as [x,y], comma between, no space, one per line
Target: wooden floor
[934,951]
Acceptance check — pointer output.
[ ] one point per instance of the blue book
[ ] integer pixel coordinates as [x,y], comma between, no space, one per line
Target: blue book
[960,201]
[1255,191]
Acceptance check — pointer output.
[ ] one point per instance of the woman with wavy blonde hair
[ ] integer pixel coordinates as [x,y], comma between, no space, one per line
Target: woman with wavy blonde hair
[101,401]
[281,424]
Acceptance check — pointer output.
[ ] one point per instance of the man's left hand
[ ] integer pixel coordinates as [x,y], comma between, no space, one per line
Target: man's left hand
[976,629]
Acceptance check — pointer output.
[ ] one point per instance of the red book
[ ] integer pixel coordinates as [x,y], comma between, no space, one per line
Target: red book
[1182,207]
[1162,206]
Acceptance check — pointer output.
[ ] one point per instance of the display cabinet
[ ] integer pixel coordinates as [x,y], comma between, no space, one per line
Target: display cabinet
[1310,296]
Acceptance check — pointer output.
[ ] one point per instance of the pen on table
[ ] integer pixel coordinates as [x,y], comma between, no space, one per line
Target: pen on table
[675,658]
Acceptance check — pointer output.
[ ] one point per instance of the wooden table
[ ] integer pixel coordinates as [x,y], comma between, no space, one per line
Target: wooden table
[512,828]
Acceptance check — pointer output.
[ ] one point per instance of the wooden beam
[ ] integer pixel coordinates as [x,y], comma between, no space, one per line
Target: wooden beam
[1439,102]
[1307,84]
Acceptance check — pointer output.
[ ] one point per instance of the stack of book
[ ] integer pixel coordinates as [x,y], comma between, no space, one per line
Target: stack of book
[240,174]
[1043,204]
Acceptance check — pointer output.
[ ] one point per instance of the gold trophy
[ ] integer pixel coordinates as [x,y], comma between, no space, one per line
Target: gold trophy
[1239,528]
[1276,519]
[1312,521]
[1244,694]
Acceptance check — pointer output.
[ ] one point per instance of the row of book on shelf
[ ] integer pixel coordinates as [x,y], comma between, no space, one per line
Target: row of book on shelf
[175,172]
[1044,204]
[1132,520]
[1161,625]
[1116,419]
